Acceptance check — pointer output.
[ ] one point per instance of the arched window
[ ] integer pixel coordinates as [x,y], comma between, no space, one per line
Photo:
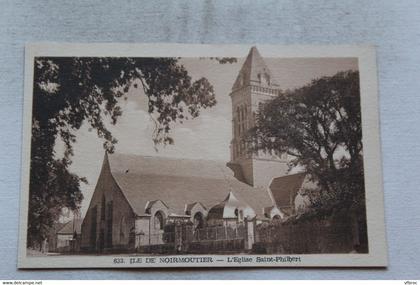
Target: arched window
[198,220]
[123,229]
[109,223]
[238,120]
[241,215]
[276,217]
[238,128]
[103,208]
[246,116]
[159,221]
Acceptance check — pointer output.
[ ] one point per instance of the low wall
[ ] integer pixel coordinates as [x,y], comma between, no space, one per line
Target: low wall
[333,234]
[216,246]
[167,248]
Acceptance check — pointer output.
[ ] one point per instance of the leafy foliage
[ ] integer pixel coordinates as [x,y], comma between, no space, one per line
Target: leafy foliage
[319,127]
[70,91]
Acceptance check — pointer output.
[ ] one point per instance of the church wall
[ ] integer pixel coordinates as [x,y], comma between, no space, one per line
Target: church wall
[156,225]
[240,101]
[123,220]
[121,216]
[259,97]
[143,227]
[256,172]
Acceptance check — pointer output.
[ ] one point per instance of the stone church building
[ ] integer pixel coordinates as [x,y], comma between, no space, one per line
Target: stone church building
[136,196]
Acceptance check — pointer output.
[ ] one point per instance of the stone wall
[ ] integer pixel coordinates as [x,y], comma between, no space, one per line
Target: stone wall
[332,234]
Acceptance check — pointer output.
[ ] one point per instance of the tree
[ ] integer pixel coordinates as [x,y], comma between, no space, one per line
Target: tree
[69,91]
[319,127]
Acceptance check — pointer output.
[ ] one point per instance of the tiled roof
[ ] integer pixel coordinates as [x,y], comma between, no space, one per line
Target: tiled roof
[285,188]
[178,182]
[252,67]
[237,170]
[191,205]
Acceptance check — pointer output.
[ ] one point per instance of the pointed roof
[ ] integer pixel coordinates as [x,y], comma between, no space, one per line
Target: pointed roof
[229,207]
[254,70]
[190,206]
[231,201]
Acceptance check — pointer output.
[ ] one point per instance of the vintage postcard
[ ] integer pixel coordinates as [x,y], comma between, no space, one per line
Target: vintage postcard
[171,155]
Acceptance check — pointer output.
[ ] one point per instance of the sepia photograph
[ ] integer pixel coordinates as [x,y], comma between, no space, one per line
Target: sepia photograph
[200,155]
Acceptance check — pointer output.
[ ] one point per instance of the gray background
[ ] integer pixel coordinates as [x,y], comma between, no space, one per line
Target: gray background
[393,26]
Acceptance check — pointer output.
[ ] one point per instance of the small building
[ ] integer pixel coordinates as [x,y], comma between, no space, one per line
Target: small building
[68,237]
[229,212]
[51,240]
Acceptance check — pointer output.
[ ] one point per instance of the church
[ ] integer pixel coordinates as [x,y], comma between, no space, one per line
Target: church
[137,196]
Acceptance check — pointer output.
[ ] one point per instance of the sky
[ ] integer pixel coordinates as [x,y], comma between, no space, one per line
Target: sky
[206,137]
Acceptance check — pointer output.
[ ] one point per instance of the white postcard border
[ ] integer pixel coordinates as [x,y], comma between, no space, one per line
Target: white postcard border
[377,256]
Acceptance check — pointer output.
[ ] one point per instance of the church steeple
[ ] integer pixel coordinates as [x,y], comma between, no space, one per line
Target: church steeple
[255,71]
[254,84]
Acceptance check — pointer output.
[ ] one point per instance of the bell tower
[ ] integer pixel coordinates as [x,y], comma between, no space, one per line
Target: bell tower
[254,85]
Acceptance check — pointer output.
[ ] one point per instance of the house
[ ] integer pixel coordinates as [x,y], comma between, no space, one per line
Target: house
[51,240]
[68,237]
